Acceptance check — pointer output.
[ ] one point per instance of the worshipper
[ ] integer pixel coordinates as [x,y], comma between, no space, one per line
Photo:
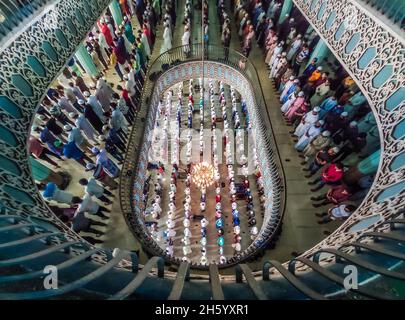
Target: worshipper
[103,93]
[111,148]
[335,195]
[338,212]
[84,125]
[101,175]
[313,131]
[94,189]
[353,145]
[111,134]
[323,156]
[309,119]
[51,141]
[167,38]
[321,92]
[52,192]
[64,103]
[109,166]
[71,151]
[89,205]
[331,175]
[76,136]
[80,223]
[321,141]
[39,151]
[114,62]
[95,105]
[185,41]
[118,122]
[326,106]
[92,117]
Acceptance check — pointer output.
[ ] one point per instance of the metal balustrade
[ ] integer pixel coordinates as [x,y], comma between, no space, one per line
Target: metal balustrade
[13,13]
[392,9]
[165,62]
[269,284]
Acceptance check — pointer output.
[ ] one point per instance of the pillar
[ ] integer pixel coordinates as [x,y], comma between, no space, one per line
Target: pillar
[86,61]
[44,174]
[286,9]
[365,167]
[320,51]
[116,12]
[369,165]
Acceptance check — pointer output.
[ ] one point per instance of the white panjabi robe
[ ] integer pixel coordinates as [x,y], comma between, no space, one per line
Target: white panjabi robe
[307,137]
[308,120]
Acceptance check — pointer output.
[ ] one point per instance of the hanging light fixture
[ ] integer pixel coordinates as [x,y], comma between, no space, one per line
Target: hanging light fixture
[203,175]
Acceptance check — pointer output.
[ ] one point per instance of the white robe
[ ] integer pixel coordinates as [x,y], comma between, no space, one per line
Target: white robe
[167,40]
[185,41]
[294,48]
[277,50]
[309,119]
[287,105]
[145,43]
[286,88]
[306,138]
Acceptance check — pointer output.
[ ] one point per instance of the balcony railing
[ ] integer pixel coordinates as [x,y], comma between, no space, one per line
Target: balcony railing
[14,12]
[273,167]
[392,9]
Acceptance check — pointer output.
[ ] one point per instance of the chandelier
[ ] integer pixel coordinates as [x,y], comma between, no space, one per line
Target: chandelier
[203,175]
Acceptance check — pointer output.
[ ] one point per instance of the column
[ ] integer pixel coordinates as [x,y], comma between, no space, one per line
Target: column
[286,9]
[369,165]
[116,12]
[86,61]
[44,174]
[320,51]
[365,167]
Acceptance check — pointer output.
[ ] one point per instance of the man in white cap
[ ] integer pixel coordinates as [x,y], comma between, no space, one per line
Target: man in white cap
[95,105]
[322,157]
[309,135]
[83,124]
[74,134]
[307,120]
[104,93]
[321,141]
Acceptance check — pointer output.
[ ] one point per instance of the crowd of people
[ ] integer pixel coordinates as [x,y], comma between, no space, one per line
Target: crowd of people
[85,119]
[330,118]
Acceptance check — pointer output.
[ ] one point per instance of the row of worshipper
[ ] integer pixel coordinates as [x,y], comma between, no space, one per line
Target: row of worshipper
[231,170]
[169,22]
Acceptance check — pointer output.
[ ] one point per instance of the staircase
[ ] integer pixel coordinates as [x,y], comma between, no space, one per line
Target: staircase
[26,248]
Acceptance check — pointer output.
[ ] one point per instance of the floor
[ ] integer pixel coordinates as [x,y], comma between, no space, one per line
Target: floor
[300,230]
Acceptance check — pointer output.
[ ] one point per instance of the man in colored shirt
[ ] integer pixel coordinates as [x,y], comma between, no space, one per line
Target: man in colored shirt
[71,151]
[94,189]
[331,175]
[335,195]
[339,212]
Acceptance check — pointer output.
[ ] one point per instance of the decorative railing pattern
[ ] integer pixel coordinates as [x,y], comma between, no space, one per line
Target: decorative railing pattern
[374,57]
[27,68]
[181,68]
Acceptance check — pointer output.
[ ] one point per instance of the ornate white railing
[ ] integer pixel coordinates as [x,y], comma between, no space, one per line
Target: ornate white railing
[374,57]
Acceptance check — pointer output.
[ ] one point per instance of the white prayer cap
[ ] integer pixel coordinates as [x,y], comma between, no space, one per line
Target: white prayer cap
[72,114]
[321,122]
[326,133]
[292,78]
[316,109]
[86,94]
[296,81]
[284,54]
[344,114]
[41,117]
[319,68]
[101,137]
[67,127]
[81,102]
[336,149]
[95,150]
[301,94]
[353,123]
[125,77]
